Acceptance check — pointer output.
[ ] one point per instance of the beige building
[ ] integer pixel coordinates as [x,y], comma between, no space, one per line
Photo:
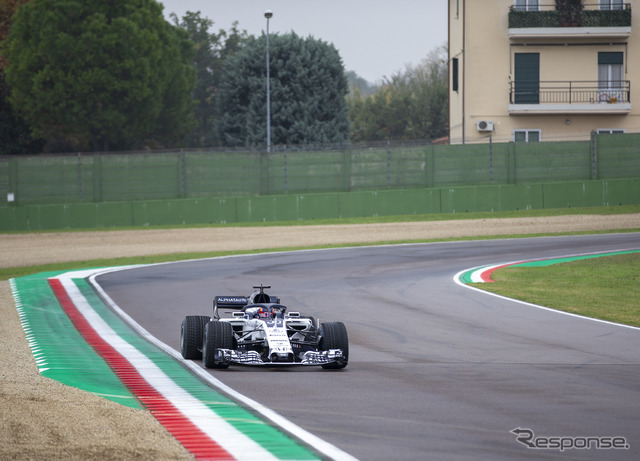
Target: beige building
[530,70]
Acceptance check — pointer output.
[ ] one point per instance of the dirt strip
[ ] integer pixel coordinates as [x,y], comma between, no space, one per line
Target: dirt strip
[43,248]
[44,419]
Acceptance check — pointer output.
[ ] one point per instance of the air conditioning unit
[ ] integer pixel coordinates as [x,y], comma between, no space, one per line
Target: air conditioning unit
[484,125]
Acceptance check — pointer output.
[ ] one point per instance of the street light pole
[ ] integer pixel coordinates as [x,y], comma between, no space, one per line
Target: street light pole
[268,14]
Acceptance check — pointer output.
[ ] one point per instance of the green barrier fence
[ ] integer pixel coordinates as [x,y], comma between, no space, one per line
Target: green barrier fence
[127,177]
[303,207]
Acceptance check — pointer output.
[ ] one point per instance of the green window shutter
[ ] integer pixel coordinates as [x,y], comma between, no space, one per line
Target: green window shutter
[454,74]
[527,78]
[610,58]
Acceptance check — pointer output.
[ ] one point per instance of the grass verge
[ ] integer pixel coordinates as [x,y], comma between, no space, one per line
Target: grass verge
[606,288]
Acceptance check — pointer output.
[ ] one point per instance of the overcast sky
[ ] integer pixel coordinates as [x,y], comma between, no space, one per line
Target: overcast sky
[374,38]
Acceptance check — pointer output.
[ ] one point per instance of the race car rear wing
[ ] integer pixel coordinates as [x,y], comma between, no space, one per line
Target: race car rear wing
[235,303]
[228,303]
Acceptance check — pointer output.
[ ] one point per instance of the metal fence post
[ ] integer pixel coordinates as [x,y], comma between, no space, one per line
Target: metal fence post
[13,197]
[430,164]
[347,179]
[491,159]
[80,175]
[182,175]
[286,179]
[594,155]
[264,173]
[511,175]
[388,164]
[97,178]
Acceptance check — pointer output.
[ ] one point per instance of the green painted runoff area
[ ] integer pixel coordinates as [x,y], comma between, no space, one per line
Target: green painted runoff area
[549,262]
[62,354]
[60,351]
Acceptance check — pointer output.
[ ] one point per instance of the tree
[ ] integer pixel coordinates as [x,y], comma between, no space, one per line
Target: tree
[106,74]
[15,136]
[7,9]
[410,105]
[359,85]
[307,88]
[211,50]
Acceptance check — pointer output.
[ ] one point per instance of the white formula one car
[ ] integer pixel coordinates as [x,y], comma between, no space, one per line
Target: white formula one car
[258,330]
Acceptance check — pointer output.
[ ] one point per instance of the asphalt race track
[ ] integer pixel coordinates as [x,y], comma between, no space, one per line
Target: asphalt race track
[436,370]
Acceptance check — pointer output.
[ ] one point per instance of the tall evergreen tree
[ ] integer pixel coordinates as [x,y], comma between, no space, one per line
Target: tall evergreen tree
[307,88]
[101,74]
[15,135]
[211,49]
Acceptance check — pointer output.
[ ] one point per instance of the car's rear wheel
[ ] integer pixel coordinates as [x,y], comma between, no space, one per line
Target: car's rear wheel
[333,335]
[217,335]
[191,336]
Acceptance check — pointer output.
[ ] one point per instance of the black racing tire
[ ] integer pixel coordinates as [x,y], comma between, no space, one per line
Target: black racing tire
[191,336]
[217,335]
[333,335]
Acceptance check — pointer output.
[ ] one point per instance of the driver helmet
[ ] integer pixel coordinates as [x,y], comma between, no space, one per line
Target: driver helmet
[263,313]
[278,311]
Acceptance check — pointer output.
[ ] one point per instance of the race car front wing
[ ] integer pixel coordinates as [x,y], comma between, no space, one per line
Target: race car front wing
[253,357]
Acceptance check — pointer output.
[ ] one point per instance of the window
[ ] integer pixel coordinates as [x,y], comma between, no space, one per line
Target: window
[610,70]
[454,74]
[611,4]
[527,78]
[526,135]
[527,5]
[610,131]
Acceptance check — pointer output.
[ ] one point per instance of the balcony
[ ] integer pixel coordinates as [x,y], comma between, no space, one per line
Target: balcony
[570,97]
[583,21]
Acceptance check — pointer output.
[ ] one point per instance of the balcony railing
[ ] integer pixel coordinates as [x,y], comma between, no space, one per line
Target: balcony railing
[589,15]
[570,92]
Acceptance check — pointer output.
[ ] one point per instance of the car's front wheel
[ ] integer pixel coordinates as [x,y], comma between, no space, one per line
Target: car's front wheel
[217,335]
[333,335]
[191,336]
